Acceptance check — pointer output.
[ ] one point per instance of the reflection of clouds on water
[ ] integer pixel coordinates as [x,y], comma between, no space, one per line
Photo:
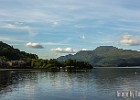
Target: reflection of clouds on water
[122,79]
[30,89]
[100,84]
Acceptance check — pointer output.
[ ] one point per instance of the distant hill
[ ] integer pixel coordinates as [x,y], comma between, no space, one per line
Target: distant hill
[7,52]
[106,56]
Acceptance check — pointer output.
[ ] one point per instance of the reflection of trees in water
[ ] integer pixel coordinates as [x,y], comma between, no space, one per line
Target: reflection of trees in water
[67,79]
[5,79]
[10,79]
[84,84]
[67,82]
[101,79]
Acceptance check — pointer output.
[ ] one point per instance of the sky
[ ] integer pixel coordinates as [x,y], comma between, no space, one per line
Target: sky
[53,28]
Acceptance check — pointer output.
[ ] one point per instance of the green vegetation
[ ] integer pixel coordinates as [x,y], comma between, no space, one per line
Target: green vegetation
[104,56]
[7,52]
[14,58]
[107,56]
[51,64]
[54,65]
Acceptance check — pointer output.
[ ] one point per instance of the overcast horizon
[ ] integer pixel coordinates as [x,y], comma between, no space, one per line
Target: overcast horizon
[54,28]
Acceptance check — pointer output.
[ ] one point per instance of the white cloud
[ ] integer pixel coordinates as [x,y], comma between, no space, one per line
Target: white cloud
[84,49]
[19,23]
[53,43]
[63,50]
[55,23]
[130,40]
[19,26]
[48,10]
[40,45]
[104,42]
[16,27]
[34,45]
[83,37]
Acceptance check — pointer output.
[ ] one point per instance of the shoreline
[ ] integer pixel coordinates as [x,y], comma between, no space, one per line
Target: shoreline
[39,69]
[135,67]
[26,69]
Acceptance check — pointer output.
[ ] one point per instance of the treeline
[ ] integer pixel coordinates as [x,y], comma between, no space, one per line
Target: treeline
[7,52]
[14,58]
[53,64]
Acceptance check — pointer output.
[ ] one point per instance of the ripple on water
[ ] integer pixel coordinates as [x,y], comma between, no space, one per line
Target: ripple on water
[98,84]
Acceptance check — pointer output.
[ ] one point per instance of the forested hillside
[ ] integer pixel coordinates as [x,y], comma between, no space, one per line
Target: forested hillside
[7,52]
[107,56]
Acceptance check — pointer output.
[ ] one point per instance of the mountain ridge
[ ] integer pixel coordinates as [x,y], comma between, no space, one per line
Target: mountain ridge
[106,56]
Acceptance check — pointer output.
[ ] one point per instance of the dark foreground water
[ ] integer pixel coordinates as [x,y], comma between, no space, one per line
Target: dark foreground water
[99,84]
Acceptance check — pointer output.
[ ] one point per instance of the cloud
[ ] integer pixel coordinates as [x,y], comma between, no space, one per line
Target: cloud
[34,45]
[40,45]
[130,40]
[71,10]
[53,43]
[55,23]
[63,50]
[84,49]
[16,27]
[83,37]
[104,42]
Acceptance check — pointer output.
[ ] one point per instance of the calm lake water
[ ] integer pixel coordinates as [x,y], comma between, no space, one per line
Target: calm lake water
[98,84]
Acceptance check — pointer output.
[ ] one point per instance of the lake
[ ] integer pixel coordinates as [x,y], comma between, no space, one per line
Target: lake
[98,84]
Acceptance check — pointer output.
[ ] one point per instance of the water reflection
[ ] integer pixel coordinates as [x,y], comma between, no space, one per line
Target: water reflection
[5,79]
[116,77]
[12,80]
[100,84]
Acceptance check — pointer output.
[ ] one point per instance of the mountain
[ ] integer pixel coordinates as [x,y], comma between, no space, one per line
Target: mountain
[106,56]
[7,52]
